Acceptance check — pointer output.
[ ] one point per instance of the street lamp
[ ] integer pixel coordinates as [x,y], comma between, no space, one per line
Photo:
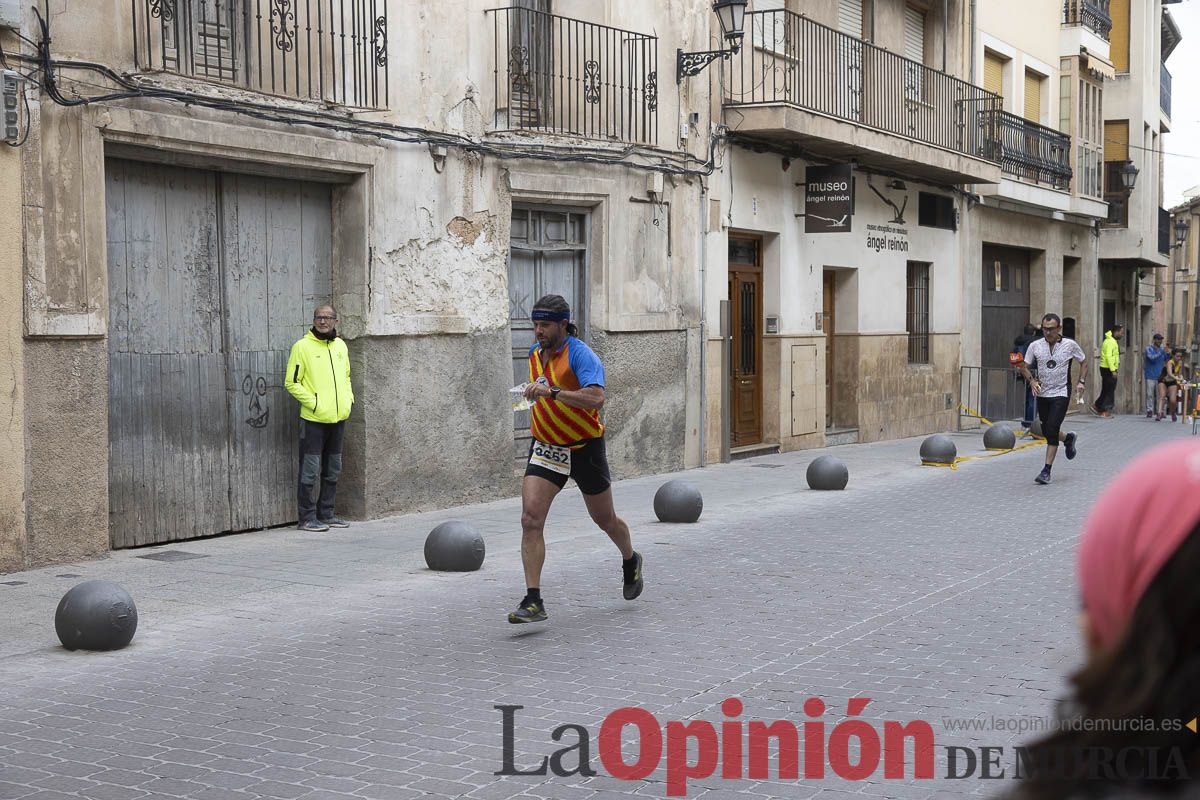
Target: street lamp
[732,16]
[1181,232]
[1129,175]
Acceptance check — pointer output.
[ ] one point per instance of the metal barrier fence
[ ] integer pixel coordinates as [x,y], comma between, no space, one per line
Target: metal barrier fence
[996,393]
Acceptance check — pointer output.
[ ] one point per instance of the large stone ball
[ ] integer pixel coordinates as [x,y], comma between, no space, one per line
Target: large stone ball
[678,501]
[454,546]
[827,472]
[96,615]
[938,449]
[999,437]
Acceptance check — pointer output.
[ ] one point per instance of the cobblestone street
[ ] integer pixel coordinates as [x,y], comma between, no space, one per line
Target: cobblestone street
[288,665]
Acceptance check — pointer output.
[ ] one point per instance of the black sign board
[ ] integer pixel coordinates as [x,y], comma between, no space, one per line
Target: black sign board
[829,199]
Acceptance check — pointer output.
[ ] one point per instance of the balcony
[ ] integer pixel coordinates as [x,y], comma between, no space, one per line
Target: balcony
[558,75]
[1091,14]
[334,51]
[1164,91]
[797,83]
[1034,153]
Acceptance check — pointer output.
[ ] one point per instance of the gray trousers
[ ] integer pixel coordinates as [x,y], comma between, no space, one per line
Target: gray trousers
[320,457]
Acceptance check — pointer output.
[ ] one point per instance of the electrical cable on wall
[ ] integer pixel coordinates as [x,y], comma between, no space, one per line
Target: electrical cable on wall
[641,157]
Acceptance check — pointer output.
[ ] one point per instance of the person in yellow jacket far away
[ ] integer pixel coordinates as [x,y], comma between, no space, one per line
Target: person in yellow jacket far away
[1110,359]
[318,376]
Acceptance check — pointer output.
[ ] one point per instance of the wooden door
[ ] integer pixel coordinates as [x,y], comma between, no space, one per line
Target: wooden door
[745,302]
[276,253]
[212,277]
[828,320]
[1005,312]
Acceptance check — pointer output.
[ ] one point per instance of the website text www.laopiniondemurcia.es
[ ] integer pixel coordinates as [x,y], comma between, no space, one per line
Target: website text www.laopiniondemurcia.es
[853,749]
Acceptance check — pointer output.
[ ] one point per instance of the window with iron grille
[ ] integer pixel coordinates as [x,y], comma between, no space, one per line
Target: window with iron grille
[917,313]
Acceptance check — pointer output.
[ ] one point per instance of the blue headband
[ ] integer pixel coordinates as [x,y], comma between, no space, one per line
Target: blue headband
[542,315]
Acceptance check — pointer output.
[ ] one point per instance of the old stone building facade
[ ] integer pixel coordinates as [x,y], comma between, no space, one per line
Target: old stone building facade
[198,175]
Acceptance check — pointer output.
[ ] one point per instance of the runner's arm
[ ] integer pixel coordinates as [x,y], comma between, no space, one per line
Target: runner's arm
[589,397]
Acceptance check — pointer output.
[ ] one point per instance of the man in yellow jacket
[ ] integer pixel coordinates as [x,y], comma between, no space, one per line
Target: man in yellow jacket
[1110,359]
[318,376]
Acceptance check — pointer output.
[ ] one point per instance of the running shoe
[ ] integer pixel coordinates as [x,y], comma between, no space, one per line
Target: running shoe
[1069,441]
[633,577]
[528,611]
[1043,476]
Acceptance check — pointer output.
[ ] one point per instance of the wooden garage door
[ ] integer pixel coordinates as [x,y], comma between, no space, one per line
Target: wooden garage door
[212,277]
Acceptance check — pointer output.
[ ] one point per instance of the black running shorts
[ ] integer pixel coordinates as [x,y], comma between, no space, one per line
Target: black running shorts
[588,465]
[1052,411]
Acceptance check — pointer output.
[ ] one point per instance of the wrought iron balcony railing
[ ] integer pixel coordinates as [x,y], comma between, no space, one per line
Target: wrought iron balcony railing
[792,60]
[562,75]
[1164,90]
[1092,14]
[335,51]
[1034,152]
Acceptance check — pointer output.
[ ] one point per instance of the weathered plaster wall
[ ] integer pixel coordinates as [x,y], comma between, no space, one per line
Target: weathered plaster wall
[646,400]
[435,420]
[67,456]
[13,542]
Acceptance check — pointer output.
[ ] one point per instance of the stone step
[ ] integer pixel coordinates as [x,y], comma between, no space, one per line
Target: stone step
[752,450]
[836,436]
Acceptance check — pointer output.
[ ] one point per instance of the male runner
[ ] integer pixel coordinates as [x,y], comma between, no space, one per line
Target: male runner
[567,387]
[1052,356]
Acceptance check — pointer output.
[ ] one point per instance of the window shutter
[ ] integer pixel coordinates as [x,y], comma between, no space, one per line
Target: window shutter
[770,30]
[993,73]
[914,35]
[1033,96]
[1116,140]
[850,17]
[1119,37]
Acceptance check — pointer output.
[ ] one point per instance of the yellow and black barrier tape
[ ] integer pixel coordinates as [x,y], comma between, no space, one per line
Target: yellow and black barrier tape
[1036,441]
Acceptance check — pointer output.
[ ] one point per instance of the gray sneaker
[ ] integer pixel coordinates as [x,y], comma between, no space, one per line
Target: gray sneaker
[312,525]
[335,522]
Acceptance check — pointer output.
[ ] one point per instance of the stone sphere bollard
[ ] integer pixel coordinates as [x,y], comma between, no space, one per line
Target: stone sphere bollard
[938,449]
[827,473]
[454,546]
[96,615]
[678,501]
[999,437]
[1036,428]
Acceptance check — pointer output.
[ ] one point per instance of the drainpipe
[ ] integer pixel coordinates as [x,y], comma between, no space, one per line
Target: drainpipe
[700,220]
[945,30]
[972,54]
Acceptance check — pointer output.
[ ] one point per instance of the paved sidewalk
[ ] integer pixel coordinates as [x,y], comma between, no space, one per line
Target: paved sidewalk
[287,664]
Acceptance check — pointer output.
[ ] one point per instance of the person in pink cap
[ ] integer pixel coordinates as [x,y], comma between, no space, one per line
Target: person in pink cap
[1139,583]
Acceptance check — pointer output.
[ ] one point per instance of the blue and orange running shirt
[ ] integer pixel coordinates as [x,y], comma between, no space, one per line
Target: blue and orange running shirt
[573,367]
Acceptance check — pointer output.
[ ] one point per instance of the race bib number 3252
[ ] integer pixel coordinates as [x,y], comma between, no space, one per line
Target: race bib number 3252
[551,457]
